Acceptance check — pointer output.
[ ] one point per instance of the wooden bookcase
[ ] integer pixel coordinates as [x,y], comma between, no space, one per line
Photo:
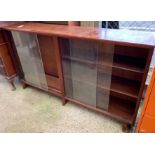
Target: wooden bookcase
[101,70]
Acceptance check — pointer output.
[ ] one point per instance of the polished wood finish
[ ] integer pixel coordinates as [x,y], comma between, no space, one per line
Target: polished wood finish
[125,37]
[147,119]
[129,67]
[6,64]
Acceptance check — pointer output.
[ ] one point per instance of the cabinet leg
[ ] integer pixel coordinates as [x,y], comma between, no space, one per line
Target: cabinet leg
[126,128]
[64,101]
[24,85]
[12,85]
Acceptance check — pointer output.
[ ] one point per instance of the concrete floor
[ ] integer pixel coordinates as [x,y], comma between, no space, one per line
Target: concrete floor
[32,110]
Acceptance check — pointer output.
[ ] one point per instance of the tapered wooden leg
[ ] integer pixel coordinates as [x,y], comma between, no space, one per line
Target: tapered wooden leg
[12,85]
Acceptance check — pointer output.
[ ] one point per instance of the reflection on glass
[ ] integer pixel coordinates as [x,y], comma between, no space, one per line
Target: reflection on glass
[86,80]
[80,71]
[30,58]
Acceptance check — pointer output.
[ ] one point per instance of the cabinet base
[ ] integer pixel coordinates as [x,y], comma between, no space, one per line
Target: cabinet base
[64,101]
[126,124]
[24,85]
[49,90]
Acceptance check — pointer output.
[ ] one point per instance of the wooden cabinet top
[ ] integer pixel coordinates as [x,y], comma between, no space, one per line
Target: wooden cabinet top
[121,36]
[6,23]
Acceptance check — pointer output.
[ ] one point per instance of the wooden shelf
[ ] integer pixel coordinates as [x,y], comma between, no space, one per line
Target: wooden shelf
[123,88]
[132,51]
[53,82]
[121,108]
[116,65]
[127,66]
[119,87]
[130,63]
[125,70]
[87,62]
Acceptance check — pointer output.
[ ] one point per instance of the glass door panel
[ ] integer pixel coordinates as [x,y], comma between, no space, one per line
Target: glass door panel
[30,58]
[104,74]
[80,70]
[87,68]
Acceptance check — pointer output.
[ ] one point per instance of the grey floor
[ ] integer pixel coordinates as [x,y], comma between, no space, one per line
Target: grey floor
[31,110]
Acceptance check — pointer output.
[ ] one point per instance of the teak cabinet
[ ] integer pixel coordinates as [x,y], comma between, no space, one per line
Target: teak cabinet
[7,68]
[101,70]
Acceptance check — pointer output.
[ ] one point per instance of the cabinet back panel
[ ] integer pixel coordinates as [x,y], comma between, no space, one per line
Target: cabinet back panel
[134,62]
[48,54]
[136,52]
